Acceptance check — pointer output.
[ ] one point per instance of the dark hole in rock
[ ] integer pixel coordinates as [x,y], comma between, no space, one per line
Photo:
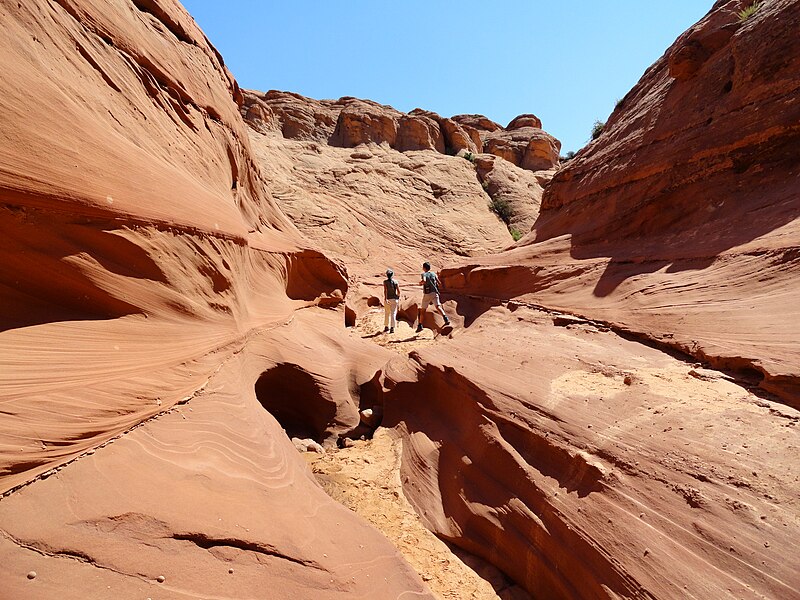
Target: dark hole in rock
[727,87]
[373,301]
[349,317]
[294,398]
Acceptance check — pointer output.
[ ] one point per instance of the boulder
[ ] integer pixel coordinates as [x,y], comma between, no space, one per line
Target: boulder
[419,132]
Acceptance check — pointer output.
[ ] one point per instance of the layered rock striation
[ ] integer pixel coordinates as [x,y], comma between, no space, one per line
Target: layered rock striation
[402,182]
[589,475]
[167,328]
[152,294]
[679,222]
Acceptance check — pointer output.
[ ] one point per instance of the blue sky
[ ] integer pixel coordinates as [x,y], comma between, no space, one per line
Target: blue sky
[566,62]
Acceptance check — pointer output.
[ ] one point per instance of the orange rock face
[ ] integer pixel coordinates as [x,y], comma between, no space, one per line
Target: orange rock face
[680,221]
[677,227]
[614,414]
[149,295]
[349,122]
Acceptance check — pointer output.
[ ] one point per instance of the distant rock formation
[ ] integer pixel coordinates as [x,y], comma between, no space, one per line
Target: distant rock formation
[349,122]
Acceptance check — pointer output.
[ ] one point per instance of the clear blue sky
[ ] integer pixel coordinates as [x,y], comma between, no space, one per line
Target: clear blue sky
[566,62]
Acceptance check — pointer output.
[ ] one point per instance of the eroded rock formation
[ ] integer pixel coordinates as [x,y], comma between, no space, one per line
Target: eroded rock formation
[371,202]
[150,287]
[680,221]
[349,122]
[176,291]
[678,226]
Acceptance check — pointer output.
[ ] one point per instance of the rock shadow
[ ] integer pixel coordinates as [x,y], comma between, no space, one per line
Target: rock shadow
[294,397]
[705,191]
[488,469]
[46,264]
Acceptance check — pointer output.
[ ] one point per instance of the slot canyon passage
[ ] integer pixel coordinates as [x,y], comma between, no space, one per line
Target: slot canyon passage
[192,346]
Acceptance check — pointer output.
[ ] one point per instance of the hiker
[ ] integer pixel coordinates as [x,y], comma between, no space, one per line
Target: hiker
[391,296]
[430,293]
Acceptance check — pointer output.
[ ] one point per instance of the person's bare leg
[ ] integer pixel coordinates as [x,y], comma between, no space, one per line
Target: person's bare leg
[444,314]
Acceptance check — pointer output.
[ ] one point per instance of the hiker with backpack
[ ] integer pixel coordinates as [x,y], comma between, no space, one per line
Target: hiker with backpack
[391,297]
[430,294]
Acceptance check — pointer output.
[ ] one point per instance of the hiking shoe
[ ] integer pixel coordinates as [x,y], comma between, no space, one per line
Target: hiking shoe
[419,328]
[391,330]
[385,329]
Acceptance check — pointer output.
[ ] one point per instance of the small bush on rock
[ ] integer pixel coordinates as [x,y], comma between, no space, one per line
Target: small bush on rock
[748,12]
[469,156]
[515,233]
[502,209]
[568,156]
[597,129]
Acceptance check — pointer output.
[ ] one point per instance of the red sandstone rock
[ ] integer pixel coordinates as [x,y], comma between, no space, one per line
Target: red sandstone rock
[363,122]
[673,187]
[157,301]
[295,116]
[679,225]
[588,486]
[459,137]
[525,121]
[419,132]
[151,326]
[521,189]
[477,122]
[375,207]
[526,147]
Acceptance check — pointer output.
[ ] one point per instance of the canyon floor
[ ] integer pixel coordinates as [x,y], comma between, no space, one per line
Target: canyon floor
[365,477]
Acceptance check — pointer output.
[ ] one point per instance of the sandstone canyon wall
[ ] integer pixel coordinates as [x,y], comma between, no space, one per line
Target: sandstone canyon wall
[680,222]
[176,287]
[577,460]
[152,295]
[419,193]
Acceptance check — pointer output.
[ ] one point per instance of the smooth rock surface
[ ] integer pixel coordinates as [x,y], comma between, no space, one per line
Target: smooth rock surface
[154,297]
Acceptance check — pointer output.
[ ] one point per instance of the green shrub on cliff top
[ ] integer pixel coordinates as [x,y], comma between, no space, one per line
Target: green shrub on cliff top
[597,129]
[502,209]
[748,12]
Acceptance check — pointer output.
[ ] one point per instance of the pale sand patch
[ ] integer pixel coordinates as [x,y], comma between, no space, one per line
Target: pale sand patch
[366,479]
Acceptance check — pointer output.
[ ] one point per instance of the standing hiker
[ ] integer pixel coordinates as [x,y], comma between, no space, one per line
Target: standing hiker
[391,296]
[430,294]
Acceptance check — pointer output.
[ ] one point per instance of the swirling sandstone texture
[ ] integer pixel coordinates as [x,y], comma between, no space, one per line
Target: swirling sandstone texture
[588,464]
[614,415]
[157,310]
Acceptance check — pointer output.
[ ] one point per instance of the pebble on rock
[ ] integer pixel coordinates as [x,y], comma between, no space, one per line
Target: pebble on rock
[161,579]
[31,574]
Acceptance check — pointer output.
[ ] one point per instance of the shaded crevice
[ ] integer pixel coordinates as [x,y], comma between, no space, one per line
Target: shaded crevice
[309,274]
[159,14]
[67,554]
[207,542]
[294,397]
[475,460]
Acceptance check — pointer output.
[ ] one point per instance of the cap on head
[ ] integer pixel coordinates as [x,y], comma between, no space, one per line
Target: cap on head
[389,273]
[426,265]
